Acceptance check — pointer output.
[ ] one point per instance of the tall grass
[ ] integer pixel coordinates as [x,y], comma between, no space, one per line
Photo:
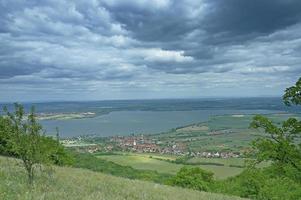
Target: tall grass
[75,184]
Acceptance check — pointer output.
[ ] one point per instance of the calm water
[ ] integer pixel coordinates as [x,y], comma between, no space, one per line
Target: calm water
[128,122]
[148,116]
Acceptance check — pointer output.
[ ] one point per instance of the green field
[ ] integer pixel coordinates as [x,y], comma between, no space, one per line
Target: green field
[154,155]
[219,133]
[78,184]
[241,162]
[226,162]
[142,161]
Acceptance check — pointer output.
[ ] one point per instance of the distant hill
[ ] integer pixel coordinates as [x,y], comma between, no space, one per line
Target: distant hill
[76,184]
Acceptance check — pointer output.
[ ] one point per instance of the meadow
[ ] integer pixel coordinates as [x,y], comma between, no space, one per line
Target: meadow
[147,162]
[78,184]
[226,162]
[144,162]
[230,162]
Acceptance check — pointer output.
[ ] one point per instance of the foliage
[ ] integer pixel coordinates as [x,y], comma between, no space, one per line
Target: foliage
[181,160]
[194,178]
[246,184]
[58,154]
[282,144]
[260,184]
[293,94]
[22,137]
[280,188]
[5,130]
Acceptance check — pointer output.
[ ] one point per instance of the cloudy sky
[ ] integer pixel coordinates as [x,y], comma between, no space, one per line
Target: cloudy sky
[136,49]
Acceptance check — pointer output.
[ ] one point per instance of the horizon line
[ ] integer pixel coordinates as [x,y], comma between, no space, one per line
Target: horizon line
[138,99]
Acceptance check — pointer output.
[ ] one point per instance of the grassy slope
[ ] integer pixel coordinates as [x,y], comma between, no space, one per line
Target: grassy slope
[145,162]
[75,184]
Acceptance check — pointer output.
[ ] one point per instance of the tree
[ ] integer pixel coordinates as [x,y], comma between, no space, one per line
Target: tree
[22,137]
[194,178]
[281,144]
[293,94]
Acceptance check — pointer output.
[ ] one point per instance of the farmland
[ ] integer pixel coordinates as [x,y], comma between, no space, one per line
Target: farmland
[146,162]
[219,133]
[222,133]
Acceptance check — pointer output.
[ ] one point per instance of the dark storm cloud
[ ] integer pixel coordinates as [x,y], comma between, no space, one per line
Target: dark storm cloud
[256,16]
[148,44]
[233,18]
[167,22]
[206,30]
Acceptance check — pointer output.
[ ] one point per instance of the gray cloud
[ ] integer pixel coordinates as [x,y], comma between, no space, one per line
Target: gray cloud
[248,17]
[120,46]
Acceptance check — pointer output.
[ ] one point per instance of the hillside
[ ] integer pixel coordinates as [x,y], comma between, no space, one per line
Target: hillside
[72,183]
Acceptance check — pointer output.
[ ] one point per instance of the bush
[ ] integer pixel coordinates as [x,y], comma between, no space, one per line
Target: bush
[280,188]
[261,184]
[194,178]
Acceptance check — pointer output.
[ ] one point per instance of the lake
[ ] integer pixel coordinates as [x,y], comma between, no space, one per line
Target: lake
[124,117]
[128,122]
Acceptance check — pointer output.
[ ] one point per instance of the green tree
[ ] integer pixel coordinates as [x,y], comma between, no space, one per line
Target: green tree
[293,94]
[21,136]
[194,178]
[281,144]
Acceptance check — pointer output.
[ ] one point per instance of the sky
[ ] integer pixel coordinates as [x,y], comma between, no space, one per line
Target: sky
[146,49]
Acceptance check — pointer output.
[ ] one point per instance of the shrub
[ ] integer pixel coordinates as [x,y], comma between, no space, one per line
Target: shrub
[280,188]
[194,178]
[262,184]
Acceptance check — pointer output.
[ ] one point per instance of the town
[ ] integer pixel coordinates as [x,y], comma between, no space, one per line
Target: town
[141,144]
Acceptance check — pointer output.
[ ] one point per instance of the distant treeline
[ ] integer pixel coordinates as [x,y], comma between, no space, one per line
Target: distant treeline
[184,160]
